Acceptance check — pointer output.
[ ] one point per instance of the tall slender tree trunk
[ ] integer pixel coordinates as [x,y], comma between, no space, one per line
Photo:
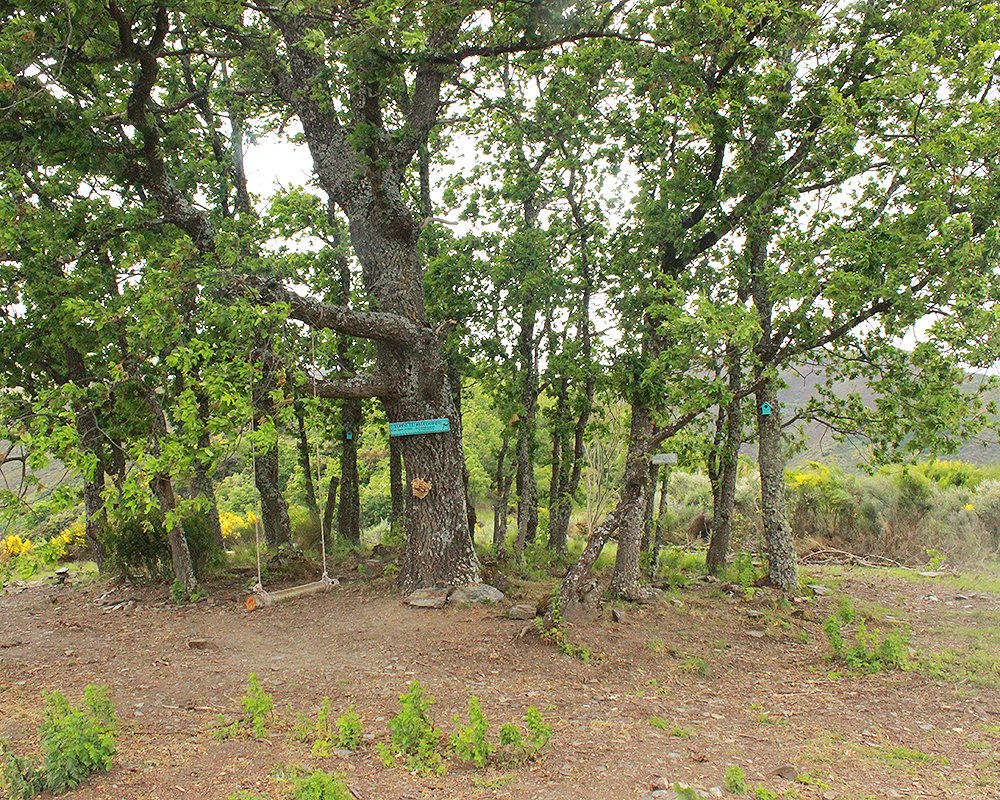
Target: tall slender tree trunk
[647,521]
[202,484]
[527,488]
[349,510]
[501,497]
[330,507]
[95,514]
[628,512]
[781,558]
[728,458]
[305,461]
[625,578]
[274,510]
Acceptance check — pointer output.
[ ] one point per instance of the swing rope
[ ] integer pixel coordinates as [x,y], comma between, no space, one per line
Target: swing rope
[253,463]
[319,468]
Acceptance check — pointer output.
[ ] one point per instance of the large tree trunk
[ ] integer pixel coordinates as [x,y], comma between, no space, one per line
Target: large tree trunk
[362,169]
[728,460]
[349,510]
[781,559]
[439,549]
[625,578]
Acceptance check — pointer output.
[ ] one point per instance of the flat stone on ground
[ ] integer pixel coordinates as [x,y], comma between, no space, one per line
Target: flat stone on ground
[428,598]
[522,611]
[475,594]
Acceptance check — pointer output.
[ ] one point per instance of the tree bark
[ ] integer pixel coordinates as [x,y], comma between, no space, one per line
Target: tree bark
[349,510]
[305,461]
[728,459]
[527,488]
[330,507]
[625,578]
[501,497]
[628,512]
[781,558]
[274,511]
[396,486]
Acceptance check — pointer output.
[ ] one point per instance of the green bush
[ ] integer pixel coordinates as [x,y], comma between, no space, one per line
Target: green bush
[257,706]
[414,737]
[75,743]
[319,785]
[346,732]
[517,747]
[22,776]
[470,742]
[735,780]
[870,653]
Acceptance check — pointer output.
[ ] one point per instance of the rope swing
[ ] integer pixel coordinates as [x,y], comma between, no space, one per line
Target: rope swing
[259,596]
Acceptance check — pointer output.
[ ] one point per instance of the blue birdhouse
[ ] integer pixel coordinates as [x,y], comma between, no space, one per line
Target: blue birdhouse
[765,409]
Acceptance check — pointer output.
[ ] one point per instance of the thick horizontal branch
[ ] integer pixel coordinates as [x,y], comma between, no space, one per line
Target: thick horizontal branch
[356,387]
[377,325]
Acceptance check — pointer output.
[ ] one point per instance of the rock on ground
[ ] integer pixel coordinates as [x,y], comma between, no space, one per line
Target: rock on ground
[475,594]
[428,598]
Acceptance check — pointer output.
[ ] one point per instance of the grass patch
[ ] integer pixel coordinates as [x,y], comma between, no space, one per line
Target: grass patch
[902,757]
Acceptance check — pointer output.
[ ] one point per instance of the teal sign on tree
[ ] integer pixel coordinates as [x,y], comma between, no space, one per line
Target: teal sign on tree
[418,426]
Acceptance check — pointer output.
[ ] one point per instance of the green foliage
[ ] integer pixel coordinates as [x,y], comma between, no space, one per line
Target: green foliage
[413,735]
[764,793]
[735,780]
[257,706]
[518,747]
[320,785]
[470,742]
[937,511]
[75,743]
[869,653]
[22,776]
[349,729]
[555,634]
[326,735]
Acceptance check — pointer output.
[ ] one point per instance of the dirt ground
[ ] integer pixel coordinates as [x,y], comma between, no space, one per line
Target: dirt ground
[733,681]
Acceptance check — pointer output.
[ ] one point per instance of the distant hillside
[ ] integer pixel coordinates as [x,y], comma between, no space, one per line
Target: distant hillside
[822,445]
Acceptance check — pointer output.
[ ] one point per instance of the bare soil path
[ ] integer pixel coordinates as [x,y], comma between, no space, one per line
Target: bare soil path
[724,679]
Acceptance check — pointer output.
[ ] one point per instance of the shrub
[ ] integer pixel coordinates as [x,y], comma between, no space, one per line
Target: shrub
[77,742]
[319,785]
[349,729]
[22,776]
[869,653]
[470,742]
[735,780]
[324,737]
[518,748]
[257,706]
[413,735]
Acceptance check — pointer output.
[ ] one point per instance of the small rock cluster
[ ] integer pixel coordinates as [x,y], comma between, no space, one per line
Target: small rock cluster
[473,594]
